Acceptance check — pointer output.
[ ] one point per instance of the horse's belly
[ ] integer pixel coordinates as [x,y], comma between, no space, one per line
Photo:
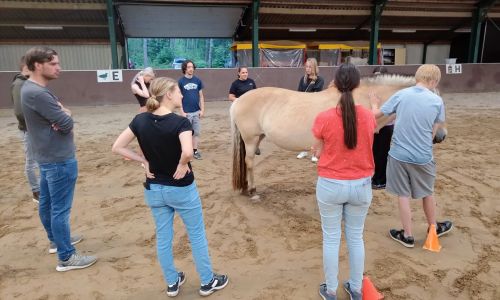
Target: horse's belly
[291,141]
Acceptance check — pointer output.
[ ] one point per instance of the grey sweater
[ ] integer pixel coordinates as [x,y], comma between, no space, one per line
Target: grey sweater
[50,128]
[16,99]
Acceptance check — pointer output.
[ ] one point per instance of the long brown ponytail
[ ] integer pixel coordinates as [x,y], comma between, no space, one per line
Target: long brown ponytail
[346,79]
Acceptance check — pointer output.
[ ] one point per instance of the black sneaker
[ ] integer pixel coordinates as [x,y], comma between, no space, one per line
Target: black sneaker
[443,228]
[323,292]
[380,186]
[352,294]
[197,155]
[398,236]
[218,283]
[173,290]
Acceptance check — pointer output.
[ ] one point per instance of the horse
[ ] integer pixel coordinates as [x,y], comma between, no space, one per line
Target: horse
[285,117]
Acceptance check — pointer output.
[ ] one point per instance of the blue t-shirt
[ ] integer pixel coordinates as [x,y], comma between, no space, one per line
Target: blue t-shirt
[190,89]
[417,110]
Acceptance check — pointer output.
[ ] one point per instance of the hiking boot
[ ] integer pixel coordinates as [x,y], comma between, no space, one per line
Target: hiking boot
[36,197]
[76,261]
[74,240]
[443,228]
[323,292]
[352,294]
[398,236]
[218,282]
[314,159]
[173,290]
[302,154]
[197,155]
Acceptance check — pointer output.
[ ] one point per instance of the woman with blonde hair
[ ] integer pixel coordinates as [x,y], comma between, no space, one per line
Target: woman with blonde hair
[140,84]
[165,139]
[311,82]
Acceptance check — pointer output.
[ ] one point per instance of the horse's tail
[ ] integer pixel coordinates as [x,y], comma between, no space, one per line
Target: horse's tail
[239,166]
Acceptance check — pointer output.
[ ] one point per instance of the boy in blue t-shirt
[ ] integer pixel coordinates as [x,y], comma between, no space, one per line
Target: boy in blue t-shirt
[193,102]
[411,170]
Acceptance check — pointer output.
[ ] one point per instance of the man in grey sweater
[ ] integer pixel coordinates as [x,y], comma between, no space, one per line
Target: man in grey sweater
[50,129]
[30,166]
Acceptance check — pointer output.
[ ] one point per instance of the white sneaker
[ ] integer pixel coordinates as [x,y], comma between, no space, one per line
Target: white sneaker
[314,159]
[302,154]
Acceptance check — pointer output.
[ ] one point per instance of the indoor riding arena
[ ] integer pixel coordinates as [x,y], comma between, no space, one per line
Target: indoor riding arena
[270,247]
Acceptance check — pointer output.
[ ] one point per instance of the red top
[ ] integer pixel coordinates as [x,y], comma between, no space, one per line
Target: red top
[336,161]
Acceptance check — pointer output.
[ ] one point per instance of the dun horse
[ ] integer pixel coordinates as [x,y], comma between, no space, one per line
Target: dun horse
[286,117]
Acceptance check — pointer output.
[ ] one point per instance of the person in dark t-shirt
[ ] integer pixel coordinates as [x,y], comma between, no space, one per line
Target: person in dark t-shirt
[165,140]
[193,101]
[241,85]
[140,86]
[311,82]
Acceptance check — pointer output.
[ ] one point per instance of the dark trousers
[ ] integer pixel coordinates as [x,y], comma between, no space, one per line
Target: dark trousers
[381,146]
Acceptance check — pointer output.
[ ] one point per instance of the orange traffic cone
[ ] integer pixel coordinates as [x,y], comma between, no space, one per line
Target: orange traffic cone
[370,291]
[432,241]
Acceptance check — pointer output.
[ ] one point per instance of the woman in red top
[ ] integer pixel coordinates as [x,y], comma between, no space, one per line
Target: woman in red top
[344,139]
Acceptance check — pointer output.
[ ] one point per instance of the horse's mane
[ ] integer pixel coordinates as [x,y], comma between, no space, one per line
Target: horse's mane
[390,79]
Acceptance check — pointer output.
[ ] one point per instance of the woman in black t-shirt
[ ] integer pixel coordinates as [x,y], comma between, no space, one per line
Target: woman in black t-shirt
[241,85]
[166,143]
[140,86]
[311,82]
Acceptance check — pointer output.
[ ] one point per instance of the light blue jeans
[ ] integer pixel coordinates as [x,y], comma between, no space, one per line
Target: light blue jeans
[164,201]
[30,166]
[57,187]
[348,200]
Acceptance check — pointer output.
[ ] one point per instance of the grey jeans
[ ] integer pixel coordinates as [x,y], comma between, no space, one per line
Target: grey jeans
[30,166]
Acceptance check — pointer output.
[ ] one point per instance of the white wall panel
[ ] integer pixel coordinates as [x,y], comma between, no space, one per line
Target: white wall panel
[72,57]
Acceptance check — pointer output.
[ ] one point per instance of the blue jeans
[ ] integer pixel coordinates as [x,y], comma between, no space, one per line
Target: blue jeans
[57,187]
[164,201]
[348,200]
[30,165]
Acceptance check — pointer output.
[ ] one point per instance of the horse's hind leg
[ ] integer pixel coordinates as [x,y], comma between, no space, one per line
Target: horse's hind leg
[251,147]
[261,137]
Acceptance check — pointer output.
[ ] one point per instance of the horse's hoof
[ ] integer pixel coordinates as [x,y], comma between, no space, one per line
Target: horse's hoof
[255,197]
[440,136]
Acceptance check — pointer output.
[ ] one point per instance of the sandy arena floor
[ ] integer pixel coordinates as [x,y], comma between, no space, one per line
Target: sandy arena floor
[271,249]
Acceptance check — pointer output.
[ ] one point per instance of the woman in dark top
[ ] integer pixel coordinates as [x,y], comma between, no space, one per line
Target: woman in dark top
[311,82]
[381,145]
[241,85]
[166,143]
[140,86]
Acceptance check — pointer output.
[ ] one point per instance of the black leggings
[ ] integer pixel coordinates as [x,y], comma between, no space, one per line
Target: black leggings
[381,146]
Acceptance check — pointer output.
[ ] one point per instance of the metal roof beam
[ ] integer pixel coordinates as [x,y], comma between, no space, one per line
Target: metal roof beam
[377,9]
[478,18]
[50,5]
[47,24]
[314,11]
[255,33]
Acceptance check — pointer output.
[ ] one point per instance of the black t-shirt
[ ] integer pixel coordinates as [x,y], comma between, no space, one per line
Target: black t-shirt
[239,87]
[311,86]
[142,101]
[158,137]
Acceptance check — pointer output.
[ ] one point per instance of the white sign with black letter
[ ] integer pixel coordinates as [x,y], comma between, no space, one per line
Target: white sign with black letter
[109,76]
[453,69]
